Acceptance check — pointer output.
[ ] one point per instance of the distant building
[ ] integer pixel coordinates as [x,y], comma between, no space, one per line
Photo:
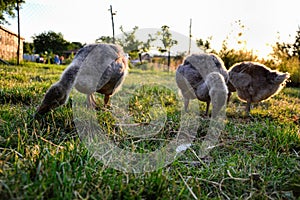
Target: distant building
[9,45]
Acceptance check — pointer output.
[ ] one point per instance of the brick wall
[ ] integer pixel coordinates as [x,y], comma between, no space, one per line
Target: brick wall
[9,45]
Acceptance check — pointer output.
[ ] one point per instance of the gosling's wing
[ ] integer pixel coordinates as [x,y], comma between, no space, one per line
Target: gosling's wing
[240,80]
[240,75]
[93,67]
[113,77]
[204,63]
[187,80]
[120,69]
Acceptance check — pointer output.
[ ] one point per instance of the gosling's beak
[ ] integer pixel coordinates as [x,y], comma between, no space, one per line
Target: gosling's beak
[41,110]
[44,108]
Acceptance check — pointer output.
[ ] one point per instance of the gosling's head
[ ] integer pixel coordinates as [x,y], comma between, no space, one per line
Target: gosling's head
[54,97]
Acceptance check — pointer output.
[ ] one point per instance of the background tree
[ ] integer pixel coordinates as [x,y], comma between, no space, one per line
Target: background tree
[105,39]
[168,42]
[28,48]
[296,45]
[74,45]
[232,56]
[130,43]
[147,45]
[204,45]
[288,50]
[7,9]
[286,58]
[50,42]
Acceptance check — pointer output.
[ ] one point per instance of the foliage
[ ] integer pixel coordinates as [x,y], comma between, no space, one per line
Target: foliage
[286,58]
[205,45]
[104,39]
[166,38]
[291,65]
[50,42]
[232,56]
[28,47]
[74,45]
[132,45]
[288,50]
[8,7]
[147,45]
[168,42]
[129,41]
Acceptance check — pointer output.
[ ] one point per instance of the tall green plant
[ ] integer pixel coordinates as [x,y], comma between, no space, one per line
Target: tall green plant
[129,41]
[50,41]
[231,56]
[288,50]
[168,42]
[7,9]
[286,57]
[204,44]
[134,46]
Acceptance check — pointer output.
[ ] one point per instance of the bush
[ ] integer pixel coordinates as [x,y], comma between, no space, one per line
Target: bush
[292,66]
[232,56]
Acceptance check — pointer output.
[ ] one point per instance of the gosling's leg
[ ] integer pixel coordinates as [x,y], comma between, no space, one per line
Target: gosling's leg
[186,104]
[228,97]
[248,107]
[106,99]
[207,108]
[91,101]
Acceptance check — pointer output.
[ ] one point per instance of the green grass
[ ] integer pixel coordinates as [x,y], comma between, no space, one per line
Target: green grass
[257,157]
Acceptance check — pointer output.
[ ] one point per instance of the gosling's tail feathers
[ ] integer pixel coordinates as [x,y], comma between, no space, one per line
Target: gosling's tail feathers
[281,77]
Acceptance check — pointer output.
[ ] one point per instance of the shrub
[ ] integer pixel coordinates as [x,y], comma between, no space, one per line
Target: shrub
[232,56]
[293,67]
[290,65]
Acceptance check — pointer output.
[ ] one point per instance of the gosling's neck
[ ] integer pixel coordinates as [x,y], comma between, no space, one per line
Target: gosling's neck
[68,77]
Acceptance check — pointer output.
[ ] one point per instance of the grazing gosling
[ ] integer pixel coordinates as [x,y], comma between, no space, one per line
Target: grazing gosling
[197,78]
[95,68]
[255,82]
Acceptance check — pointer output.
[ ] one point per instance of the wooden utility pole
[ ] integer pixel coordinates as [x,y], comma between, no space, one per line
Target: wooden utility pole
[190,37]
[112,22]
[19,36]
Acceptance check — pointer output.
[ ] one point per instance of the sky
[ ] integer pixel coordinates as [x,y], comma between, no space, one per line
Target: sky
[265,21]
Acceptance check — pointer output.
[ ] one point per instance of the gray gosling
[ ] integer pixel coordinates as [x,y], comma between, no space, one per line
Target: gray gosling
[254,82]
[95,68]
[203,76]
